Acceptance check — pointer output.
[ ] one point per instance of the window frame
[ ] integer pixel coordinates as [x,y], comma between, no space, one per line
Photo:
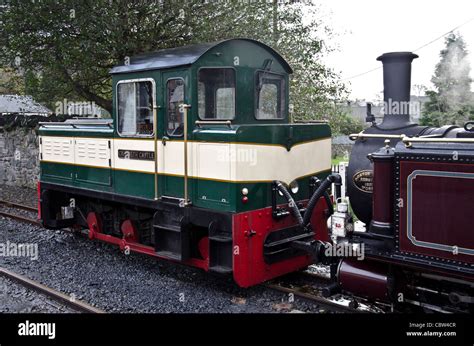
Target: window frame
[255,98]
[235,92]
[134,80]
[167,102]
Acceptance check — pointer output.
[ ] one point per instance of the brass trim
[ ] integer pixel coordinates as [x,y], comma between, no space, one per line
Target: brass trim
[185,138]
[362,135]
[155,144]
[409,140]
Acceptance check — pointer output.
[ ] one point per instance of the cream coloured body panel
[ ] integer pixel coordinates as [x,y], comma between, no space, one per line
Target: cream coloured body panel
[236,162]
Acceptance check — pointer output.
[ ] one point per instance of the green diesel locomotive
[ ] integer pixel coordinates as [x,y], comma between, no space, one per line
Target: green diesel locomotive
[192,164]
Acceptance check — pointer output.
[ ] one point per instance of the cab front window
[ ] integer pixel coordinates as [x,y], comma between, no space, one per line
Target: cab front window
[270,96]
[216,93]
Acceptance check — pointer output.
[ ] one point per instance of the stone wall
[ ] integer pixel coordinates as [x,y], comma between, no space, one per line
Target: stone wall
[19,157]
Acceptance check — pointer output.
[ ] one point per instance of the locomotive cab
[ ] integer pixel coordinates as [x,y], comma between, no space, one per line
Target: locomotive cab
[186,168]
[232,89]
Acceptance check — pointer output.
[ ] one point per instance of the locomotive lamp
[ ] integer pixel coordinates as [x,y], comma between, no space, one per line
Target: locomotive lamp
[294,187]
[340,221]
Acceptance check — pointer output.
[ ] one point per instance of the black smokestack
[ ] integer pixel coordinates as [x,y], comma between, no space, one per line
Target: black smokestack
[396,88]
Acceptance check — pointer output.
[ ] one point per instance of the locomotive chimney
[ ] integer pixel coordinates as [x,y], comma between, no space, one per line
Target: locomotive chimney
[396,89]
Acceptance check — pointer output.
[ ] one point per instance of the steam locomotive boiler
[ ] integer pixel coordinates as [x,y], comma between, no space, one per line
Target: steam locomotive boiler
[413,187]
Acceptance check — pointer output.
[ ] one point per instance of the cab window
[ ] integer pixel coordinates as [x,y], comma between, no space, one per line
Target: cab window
[175,97]
[270,96]
[135,108]
[216,93]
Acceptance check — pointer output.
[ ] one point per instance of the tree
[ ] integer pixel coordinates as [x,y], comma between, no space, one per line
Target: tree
[69,49]
[11,82]
[452,102]
[343,124]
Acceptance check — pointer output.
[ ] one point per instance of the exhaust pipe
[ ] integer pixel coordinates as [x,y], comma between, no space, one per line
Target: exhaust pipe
[396,121]
[396,89]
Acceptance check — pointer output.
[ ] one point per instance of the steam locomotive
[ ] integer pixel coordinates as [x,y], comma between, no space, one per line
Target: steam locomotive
[413,187]
[201,164]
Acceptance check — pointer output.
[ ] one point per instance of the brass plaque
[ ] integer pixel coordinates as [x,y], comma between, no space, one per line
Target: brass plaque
[363,180]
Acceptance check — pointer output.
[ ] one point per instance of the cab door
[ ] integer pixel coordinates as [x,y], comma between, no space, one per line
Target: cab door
[171,153]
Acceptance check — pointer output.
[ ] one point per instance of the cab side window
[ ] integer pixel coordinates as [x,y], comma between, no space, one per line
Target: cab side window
[269,96]
[216,93]
[135,108]
[174,98]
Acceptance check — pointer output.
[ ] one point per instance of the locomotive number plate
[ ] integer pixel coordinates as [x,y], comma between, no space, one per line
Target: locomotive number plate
[363,180]
[136,155]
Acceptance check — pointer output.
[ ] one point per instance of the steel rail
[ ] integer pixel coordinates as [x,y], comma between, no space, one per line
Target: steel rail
[50,292]
[310,297]
[18,206]
[19,217]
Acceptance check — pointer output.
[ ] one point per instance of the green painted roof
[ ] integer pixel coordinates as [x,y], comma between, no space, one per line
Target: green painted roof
[180,56]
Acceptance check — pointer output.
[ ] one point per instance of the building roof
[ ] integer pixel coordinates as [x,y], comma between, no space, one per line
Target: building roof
[22,105]
[180,56]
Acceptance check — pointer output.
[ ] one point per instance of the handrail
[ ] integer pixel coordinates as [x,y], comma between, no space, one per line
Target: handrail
[409,140]
[213,122]
[75,123]
[185,130]
[322,121]
[362,135]
[46,124]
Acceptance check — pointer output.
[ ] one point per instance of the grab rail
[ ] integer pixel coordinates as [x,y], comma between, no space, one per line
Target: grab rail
[213,122]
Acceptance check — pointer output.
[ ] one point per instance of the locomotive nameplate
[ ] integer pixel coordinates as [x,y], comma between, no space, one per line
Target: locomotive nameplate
[136,155]
[363,180]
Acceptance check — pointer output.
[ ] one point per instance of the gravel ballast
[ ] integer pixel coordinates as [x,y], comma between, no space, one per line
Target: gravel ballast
[15,297]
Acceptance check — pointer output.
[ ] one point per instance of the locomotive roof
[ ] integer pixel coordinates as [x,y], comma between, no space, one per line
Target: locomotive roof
[180,56]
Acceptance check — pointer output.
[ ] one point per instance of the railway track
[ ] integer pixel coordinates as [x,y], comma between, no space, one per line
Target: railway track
[22,216]
[51,293]
[313,279]
[12,213]
[309,285]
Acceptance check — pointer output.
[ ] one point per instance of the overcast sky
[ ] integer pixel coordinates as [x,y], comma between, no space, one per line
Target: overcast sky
[369,28]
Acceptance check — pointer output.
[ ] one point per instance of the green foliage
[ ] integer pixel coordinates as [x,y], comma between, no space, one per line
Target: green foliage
[343,124]
[452,117]
[11,82]
[66,49]
[453,101]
